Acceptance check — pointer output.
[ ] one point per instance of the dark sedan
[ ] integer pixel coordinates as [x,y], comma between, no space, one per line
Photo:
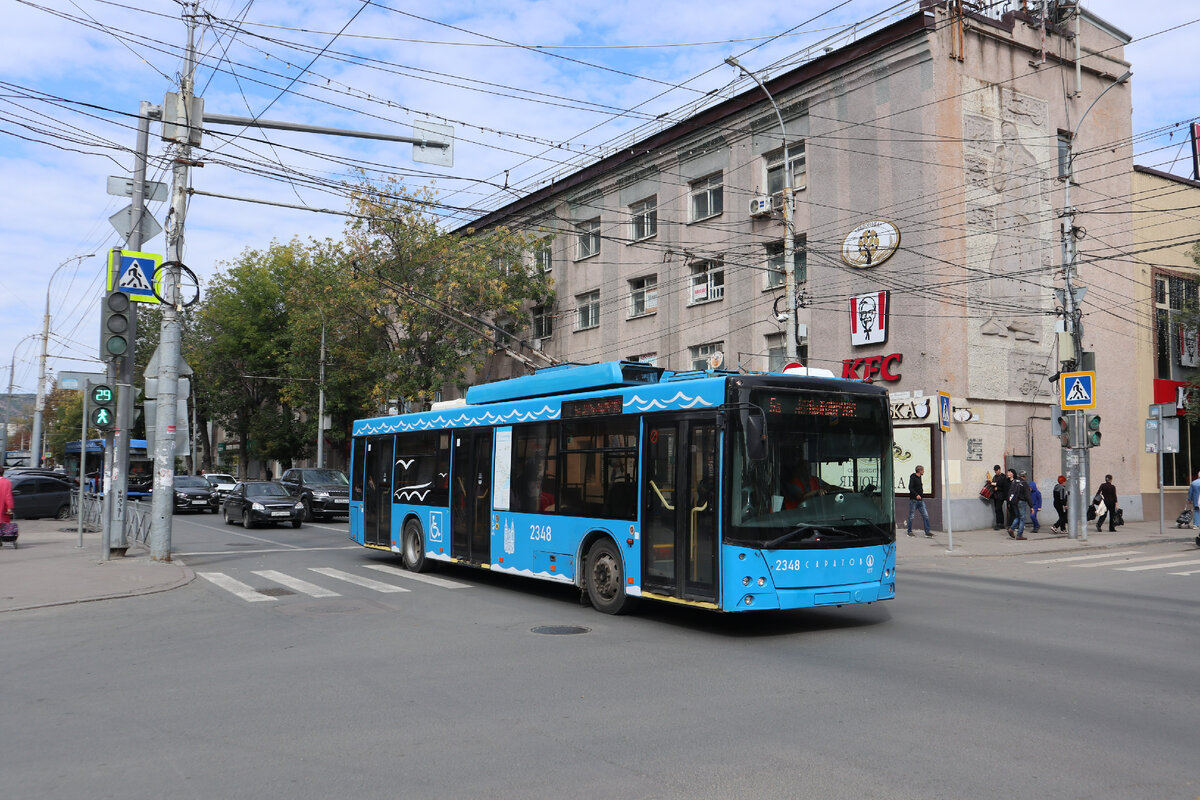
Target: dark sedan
[36,495]
[192,493]
[324,492]
[261,502]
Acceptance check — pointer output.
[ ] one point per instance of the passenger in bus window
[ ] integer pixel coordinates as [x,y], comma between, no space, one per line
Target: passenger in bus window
[801,485]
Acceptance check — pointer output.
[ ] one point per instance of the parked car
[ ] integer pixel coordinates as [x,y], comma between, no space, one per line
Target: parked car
[36,495]
[261,502]
[324,492]
[192,493]
[222,484]
[12,472]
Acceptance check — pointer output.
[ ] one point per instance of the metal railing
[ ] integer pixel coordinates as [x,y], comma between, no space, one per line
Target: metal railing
[137,517]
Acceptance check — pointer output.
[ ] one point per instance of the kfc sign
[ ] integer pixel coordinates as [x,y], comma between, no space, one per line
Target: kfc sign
[867,369]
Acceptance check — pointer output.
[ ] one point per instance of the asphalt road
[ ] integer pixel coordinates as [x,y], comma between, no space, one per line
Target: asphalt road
[988,678]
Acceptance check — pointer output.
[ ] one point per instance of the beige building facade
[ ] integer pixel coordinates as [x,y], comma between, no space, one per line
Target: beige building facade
[929,161]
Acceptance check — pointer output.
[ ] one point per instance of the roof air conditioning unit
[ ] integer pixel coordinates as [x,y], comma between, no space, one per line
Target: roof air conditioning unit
[760,206]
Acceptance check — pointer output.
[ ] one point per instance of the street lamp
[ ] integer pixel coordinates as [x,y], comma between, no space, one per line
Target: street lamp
[789,239]
[1078,459]
[35,443]
[12,365]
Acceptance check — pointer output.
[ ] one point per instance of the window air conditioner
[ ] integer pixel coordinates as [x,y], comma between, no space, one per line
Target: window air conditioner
[760,206]
[777,201]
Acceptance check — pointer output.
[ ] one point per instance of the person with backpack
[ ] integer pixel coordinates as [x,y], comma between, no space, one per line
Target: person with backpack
[1035,504]
[1060,505]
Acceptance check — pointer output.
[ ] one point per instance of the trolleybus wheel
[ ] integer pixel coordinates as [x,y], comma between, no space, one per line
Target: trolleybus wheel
[606,579]
[413,551]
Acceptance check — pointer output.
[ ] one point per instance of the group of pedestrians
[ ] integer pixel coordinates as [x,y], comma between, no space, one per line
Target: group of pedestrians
[1015,497]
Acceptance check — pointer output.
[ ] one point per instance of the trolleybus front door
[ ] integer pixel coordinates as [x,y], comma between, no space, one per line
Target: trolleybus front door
[679,508]
[471,496]
[377,490]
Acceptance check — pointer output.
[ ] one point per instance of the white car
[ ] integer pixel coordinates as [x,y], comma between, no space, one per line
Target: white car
[222,483]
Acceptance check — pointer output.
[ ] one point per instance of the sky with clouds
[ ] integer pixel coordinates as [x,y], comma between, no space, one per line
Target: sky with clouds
[531,88]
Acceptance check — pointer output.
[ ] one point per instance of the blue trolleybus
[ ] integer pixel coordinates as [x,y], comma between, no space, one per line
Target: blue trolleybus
[725,491]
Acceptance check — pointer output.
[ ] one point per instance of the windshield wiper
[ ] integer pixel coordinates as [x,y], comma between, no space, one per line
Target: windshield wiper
[821,532]
[801,528]
[874,526]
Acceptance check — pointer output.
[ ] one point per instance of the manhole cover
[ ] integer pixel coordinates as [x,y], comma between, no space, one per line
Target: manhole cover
[560,630]
[275,592]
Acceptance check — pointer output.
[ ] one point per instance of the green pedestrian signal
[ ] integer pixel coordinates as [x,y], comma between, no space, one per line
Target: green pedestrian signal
[103,416]
[1092,430]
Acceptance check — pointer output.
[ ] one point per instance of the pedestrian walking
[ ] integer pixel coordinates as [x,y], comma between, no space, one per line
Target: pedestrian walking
[6,508]
[1018,502]
[1060,505]
[1194,500]
[1000,486]
[916,500]
[1035,504]
[1108,493]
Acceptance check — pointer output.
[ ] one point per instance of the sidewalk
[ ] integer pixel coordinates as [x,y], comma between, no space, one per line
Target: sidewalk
[48,568]
[990,543]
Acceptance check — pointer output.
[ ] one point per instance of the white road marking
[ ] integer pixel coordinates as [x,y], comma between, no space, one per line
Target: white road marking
[1121,561]
[1189,572]
[295,583]
[272,550]
[1189,563]
[416,576]
[378,586]
[1084,558]
[235,586]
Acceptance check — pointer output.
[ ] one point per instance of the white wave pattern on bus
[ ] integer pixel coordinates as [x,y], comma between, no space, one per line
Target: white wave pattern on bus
[680,400]
[462,420]
[416,493]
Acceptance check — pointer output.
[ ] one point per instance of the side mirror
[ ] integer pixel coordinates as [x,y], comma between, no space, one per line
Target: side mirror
[754,423]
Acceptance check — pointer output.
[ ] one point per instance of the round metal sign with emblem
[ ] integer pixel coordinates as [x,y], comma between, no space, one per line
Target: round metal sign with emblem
[870,244]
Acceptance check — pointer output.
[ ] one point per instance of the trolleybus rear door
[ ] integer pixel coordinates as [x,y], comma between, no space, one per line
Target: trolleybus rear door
[679,507]
[471,496]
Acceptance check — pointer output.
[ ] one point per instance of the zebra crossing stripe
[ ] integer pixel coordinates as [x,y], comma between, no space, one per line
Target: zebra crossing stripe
[296,584]
[1190,563]
[1120,561]
[416,576]
[378,586]
[1084,558]
[235,586]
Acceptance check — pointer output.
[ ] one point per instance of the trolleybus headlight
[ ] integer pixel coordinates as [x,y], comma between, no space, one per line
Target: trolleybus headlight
[762,581]
[746,581]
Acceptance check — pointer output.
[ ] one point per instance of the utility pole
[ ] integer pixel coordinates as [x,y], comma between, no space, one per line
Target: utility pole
[1078,466]
[789,234]
[163,499]
[321,402]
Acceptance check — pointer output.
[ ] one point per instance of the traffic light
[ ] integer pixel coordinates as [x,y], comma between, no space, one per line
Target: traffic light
[103,414]
[116,326]
[1063,428]
[1091,432]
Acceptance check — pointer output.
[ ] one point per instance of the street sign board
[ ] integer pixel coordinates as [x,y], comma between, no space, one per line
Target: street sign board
[122,223]
[152,191]
[435,133]
[944,411]
[1077,390]
[77,381]
[132,273]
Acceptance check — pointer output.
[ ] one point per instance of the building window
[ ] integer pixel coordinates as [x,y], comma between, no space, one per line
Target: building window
[644,219]
[643,296]
[543,322]
[587,313]
[645,358]
[708,282]
[706,356]
[543,257]
[775,170]
[775,273]
[776,352]
[706,197]
[589,237]
[1172,294]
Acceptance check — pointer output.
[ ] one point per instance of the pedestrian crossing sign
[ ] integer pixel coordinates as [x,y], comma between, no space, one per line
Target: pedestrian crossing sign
[1077,390]
[130,272]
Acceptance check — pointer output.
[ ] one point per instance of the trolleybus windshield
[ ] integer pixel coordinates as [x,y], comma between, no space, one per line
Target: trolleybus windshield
[826,479]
